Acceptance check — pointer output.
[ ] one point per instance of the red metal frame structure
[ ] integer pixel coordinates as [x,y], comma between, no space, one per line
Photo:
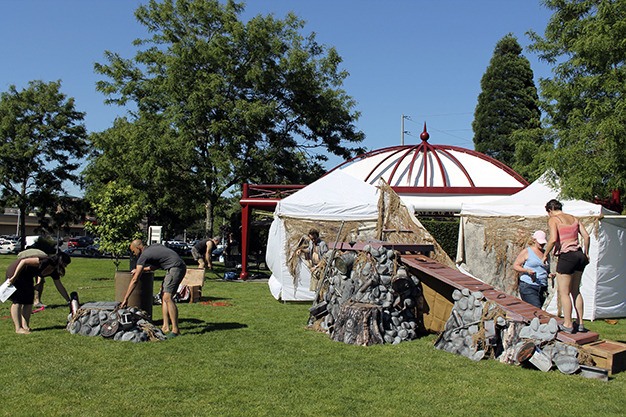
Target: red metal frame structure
[259,196]
[266,196]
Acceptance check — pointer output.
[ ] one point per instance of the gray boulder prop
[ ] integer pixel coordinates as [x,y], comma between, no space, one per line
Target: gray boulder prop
[475,327]
[370,277]
[466,333]
[106,319]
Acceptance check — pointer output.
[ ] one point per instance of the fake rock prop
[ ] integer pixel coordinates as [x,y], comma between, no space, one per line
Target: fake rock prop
[366,299]
[106,319]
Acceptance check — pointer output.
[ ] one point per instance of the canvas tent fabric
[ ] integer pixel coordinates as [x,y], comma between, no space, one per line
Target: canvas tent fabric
[332,199]
[343,209]
[491,235]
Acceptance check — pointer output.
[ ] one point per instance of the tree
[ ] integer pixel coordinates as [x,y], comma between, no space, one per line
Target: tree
[584,100]
[507,103]
[62,214]
[253,101]
[41,139]
[145,155]
[118,214]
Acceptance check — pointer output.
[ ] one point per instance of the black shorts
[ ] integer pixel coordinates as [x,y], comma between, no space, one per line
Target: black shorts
[24,291]
[570,262]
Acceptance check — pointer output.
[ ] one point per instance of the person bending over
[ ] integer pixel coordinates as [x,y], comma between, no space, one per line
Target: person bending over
[153,257]
[22,274]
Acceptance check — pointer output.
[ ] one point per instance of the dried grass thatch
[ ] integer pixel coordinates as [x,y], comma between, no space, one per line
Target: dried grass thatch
[397,224]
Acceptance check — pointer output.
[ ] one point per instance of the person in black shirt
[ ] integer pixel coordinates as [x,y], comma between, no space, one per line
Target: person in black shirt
[22,274]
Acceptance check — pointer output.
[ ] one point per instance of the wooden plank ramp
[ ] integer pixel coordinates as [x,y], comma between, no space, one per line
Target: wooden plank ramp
[427,270]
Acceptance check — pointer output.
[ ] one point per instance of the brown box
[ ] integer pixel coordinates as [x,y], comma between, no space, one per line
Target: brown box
[194,276]
[195,293]
[608,354]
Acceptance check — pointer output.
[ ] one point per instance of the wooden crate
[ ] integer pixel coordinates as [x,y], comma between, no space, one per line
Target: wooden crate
[195,293]
[608,354]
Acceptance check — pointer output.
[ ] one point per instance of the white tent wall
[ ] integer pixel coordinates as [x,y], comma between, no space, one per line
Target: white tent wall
[281,283]
[491,236]
[323,204]
[604,280]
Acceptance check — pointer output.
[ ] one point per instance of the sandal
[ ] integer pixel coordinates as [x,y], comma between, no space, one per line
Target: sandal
[171,335]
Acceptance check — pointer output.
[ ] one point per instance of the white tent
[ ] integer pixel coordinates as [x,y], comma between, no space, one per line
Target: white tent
[492,234]
[335,197]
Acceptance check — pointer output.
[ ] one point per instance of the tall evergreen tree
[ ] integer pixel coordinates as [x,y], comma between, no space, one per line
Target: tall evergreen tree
[585,99]
[507,103]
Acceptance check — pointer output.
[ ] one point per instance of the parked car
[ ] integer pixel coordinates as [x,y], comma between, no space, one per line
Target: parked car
[91,251]
[7,246]
[79,242]
[180,247]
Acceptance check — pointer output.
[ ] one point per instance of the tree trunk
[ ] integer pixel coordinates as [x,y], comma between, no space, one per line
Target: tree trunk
[208,220]
[23,215]
[358,324]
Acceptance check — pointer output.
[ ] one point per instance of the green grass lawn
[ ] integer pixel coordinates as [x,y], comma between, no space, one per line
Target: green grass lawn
[242,353]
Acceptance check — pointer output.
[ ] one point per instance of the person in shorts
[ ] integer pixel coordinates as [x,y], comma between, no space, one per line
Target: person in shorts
[22,273]
[564,231]
[202,251]
[157,256]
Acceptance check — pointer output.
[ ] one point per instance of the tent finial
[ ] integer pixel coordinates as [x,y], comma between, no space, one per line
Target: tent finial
[424,135]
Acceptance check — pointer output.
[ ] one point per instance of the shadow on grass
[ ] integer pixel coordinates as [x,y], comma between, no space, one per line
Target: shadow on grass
[196,326]
[212,327]
[41,329]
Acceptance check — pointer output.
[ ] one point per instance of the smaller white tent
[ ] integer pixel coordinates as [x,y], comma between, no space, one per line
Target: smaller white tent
[507,222]
[335,197]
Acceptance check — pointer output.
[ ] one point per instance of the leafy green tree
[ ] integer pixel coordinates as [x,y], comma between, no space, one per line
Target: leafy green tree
[584,100]
[507,103]
[251,101]
[62,214]
[144,154]
[42,138]
[118,214]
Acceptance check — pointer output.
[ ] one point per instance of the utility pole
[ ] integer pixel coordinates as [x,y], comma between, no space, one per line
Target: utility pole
[402,131]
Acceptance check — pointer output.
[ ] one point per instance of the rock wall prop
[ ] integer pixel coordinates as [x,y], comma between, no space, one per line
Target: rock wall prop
[369,287]
[107,320]
[479,329]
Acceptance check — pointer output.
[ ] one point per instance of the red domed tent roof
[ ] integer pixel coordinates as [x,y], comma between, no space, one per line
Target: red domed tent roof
[436,177]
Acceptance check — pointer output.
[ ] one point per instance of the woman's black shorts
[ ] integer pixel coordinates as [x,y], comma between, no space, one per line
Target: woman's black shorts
[570,262]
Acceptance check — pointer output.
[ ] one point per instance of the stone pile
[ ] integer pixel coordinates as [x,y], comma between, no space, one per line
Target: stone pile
[478,328]
[536,344]
[106,319]
[371,277]
[472,327]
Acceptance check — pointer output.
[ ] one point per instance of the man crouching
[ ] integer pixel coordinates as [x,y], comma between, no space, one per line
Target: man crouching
[153,257]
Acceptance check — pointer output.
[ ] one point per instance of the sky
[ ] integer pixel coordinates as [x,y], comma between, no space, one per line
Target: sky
[422,59]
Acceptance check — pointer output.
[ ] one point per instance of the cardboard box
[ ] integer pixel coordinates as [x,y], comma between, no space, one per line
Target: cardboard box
[195,293]
[193,277]
[608,354]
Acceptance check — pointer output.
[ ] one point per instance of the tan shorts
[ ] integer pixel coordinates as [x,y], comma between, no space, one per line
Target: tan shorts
[172,279]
